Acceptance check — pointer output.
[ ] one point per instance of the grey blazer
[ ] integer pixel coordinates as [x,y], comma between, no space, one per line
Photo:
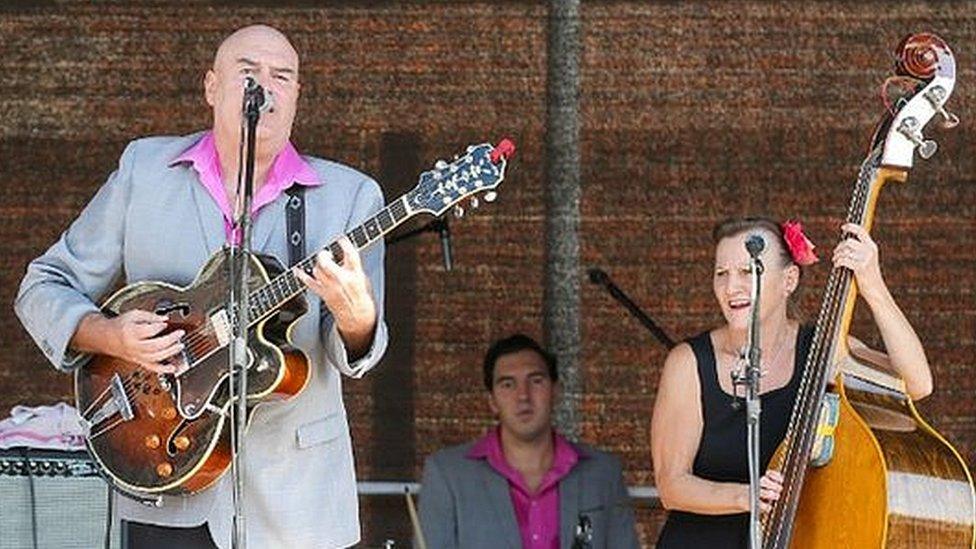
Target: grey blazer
[153,220]
[465,504]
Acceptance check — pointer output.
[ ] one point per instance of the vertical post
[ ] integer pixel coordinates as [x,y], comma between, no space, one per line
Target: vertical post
[561,300]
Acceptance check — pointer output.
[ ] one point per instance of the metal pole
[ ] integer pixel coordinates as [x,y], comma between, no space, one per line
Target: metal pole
[561,301]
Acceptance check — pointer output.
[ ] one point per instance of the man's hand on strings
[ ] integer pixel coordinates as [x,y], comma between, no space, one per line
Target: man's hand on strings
[346,291]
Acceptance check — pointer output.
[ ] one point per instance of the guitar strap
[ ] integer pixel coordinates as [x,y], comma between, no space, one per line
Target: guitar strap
[295,219]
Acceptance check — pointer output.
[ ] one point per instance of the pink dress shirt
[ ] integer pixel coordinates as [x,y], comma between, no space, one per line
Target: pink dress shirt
[537,513]
[288,168]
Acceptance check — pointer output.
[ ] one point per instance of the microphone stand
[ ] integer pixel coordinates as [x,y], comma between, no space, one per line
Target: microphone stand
[439,226]
[240,305]
[598,276]
[750,380]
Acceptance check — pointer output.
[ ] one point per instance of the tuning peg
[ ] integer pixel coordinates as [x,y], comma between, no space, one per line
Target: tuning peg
[474,203]
[470,149]
[440,165]
[458,211]
[910,129]
[937,97]
[949,120]
[490,196]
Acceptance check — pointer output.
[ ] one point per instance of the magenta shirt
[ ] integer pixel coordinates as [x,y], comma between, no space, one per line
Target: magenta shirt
[288,168]
[537,514]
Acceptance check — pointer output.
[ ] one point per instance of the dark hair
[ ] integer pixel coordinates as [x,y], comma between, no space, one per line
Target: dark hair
[513,344]
[734,226]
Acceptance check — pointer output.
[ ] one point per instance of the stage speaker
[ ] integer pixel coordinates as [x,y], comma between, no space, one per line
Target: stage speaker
[53,500]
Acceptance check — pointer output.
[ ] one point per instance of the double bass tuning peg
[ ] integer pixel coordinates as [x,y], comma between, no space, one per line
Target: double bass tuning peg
[937,97]
[909,128]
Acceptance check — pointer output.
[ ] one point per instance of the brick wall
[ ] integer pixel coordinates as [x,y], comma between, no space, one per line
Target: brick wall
[691,112]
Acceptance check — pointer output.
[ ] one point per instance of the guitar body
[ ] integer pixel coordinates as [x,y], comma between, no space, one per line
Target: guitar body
[177,440]
[892,482]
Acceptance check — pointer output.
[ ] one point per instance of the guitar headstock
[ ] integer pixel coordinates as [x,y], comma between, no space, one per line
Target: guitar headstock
[926,75]
[480,170]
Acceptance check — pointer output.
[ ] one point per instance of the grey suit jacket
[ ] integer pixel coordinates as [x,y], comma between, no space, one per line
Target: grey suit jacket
[465,503]
[153,220]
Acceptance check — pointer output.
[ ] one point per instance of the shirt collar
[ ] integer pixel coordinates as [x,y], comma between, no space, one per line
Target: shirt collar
[490,445]
[288,166]
[566,456]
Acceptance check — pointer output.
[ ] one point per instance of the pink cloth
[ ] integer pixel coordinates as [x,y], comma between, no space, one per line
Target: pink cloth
[55,427]
[288,167]
[537,513]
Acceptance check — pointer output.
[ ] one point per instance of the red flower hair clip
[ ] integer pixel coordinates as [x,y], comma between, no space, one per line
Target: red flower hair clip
[801,249]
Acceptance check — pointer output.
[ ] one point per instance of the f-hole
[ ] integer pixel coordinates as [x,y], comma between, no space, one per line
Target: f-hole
[165,307]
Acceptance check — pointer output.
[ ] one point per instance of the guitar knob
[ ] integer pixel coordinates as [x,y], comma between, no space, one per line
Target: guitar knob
[181,442]
[458,211]
[152,442]
[164,469]
[169,414]
[490,196]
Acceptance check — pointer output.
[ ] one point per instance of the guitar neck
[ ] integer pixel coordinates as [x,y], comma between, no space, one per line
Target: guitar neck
[273,295]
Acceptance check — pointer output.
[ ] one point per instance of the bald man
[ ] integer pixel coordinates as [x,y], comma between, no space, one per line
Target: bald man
[165,210]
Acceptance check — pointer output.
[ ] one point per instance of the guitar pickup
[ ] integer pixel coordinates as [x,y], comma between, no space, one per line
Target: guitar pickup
[221,327]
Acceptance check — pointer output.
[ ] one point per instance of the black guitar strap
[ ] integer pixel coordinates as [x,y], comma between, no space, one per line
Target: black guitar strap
[295,213]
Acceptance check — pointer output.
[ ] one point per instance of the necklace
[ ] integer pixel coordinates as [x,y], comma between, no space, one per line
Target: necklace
[741,362]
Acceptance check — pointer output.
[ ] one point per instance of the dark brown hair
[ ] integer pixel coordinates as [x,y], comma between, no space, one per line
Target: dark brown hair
[514,344]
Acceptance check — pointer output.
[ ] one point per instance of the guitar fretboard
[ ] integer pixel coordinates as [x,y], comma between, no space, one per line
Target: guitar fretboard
[285,286]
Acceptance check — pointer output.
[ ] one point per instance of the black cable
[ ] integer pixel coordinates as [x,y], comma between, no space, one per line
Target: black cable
[108,517]
[33,496]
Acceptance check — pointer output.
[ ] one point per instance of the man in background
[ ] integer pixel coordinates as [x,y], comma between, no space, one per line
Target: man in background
[523,484]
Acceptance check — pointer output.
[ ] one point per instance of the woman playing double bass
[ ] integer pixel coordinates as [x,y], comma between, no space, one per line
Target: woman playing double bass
[698,437]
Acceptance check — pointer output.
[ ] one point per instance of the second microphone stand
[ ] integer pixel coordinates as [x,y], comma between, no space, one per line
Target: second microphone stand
[749,379]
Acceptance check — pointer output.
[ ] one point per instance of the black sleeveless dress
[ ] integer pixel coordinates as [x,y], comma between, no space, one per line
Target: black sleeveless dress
[722,452]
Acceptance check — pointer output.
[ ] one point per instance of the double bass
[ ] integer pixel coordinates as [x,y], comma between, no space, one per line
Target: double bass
[881,475]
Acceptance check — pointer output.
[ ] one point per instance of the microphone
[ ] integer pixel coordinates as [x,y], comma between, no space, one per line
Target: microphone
[755,244]
[255,94]
[444,230]
[599,276]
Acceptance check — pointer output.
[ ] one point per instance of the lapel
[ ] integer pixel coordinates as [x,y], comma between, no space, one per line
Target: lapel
[209,217]
[569,499]
[496,487]
[267,221]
